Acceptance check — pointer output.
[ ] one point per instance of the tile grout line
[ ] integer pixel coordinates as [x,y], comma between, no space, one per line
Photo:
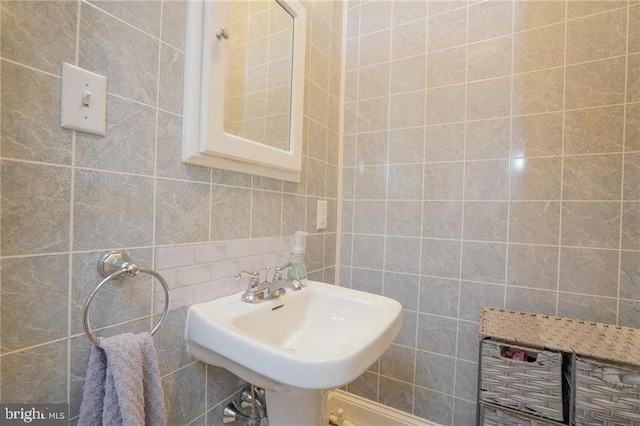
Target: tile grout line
[510,163]
[464,171]
[340,166]
[355,144]
[29,67]
[158,38]
[424,141]
[326,157]
[1,204]
[483,80]
[485,160]
[622,174]
[355,149]
[169,246]
[494,242]
[211,186]
[444,200]
[386,203]
[207,182]
[154,222]
[562,151]
[477,120]
[71,217]
[386,187]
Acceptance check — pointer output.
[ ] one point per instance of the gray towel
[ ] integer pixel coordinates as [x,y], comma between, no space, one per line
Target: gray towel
[123,385]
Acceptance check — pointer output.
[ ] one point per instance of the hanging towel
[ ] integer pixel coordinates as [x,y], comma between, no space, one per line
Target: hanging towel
[123,385]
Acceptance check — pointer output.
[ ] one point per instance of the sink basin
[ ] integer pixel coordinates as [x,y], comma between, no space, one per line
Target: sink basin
[317,338]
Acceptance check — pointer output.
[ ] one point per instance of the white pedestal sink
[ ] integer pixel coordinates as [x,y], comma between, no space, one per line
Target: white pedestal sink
[295,346]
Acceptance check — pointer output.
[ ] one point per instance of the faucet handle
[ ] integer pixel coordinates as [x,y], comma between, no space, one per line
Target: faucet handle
[254,283]
[253,275]
[283,267]
[277,275]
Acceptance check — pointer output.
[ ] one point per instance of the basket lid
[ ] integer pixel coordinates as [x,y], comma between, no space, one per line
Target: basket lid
[603,341]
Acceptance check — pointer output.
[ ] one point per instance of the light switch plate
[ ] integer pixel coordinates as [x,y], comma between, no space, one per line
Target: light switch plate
[321,215]
[81,86]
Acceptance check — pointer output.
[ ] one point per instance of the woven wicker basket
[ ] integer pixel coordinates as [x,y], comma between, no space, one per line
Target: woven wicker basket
[531,387]
[602,399]
[496,417]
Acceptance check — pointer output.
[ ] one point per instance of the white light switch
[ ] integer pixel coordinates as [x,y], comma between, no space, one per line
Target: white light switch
[322,214]
[84,100]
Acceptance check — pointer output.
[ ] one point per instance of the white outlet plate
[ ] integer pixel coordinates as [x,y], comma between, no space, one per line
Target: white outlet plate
[76,84]
[321,220]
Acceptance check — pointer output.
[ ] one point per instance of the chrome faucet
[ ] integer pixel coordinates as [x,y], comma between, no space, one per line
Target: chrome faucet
[258,291]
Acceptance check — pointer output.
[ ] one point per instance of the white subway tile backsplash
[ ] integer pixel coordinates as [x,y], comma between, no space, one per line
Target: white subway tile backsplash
[169,276]
[206,291]
[224,268]
[178,298]
[172,257]
[282,244]
[210,252]
[251,263]
[193,280]
[192,275]
[231,286]
[274,259]
[261,246]
[238,248]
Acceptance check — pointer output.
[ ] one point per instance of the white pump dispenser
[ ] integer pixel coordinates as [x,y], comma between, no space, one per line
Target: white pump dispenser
[299,247]
[298,269]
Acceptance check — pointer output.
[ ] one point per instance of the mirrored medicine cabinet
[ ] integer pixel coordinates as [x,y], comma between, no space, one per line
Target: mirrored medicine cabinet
[244,86]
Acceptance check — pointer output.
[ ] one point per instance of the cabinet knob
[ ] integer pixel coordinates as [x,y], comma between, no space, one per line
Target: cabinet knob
[222,33]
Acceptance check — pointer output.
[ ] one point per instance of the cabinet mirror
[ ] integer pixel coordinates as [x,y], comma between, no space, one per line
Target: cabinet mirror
[244,74]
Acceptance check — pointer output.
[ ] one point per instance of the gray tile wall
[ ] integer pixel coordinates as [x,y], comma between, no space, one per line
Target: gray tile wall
[67,196]
[490,158]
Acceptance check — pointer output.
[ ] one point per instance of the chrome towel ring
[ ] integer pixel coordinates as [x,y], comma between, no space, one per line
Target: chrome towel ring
[120,262]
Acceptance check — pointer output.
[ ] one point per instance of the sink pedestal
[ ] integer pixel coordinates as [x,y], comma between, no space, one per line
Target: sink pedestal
[295,408]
